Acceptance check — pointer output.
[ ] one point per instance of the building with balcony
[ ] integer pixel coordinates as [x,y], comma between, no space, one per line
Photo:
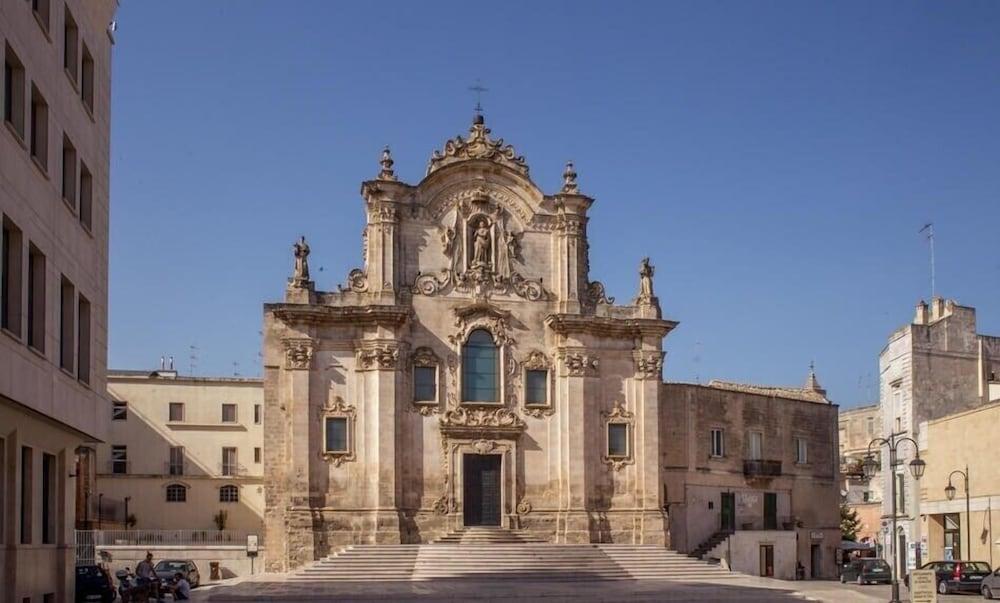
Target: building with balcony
[55,107]
[858,427]
[181,451]
[751,476]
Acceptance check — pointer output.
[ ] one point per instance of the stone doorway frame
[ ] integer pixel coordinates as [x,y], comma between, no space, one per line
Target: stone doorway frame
[455,451]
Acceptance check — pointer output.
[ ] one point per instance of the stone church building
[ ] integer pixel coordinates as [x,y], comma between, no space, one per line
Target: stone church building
[471,373]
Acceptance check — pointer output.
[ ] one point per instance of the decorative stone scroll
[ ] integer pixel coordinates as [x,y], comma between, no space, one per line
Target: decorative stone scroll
[481,417]
[380,356]
[298,353]
[597,295]
[357,281]
[648,365]
[523,507]
[579,364]
[479,145]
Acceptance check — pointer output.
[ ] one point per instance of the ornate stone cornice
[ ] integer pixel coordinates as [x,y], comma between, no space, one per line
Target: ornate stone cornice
[478,145]
[314,314]
[564,324]
[298,353]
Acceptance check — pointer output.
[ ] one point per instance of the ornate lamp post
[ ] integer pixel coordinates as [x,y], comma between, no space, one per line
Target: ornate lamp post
[949,491]
[870,467]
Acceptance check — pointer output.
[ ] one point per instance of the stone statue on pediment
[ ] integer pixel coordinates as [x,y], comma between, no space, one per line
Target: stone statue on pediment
[300,250]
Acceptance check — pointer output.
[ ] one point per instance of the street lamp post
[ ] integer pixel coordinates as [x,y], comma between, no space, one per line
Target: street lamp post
[949,491]
[870,466]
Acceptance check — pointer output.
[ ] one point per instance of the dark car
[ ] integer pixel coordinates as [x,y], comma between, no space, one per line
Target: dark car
[866,571]
[166,569]
[94,584]
[991,586]
[957,576]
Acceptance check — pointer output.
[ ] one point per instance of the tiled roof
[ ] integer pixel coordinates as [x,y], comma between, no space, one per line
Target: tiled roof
[792,393]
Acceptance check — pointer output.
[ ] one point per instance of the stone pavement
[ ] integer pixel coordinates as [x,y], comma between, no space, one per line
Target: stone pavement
[745,589]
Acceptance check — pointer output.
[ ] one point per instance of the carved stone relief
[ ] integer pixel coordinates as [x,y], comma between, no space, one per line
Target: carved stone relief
[579,364]
[298,353]
[382,356]
[648,365]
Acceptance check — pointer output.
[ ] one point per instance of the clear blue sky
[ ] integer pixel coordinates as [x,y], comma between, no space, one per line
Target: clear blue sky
[775,159]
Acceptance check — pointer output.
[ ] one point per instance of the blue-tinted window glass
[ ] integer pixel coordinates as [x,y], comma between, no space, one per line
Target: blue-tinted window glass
[617,439]
[536,387]
[425,384]
[336,434]
[480,368]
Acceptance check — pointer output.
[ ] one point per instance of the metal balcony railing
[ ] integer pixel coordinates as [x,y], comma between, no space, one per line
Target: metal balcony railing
[176,468]
[761,468]
[232,469]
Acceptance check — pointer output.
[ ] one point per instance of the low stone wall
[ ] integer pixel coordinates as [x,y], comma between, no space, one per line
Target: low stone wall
[233,560]
[741,552]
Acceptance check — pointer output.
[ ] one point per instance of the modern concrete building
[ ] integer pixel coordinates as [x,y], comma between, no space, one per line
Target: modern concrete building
[858,427]
[967,441]
[472,374]
[936,366]
[182,450]
[54,166]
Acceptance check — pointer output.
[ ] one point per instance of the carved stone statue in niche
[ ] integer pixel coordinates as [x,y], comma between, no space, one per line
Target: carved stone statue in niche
[481,243]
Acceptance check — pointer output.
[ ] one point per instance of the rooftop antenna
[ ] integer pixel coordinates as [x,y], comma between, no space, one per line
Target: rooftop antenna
[163,364]
[171,363]
[929,229]
[478,89]
[236,369]
[193,358]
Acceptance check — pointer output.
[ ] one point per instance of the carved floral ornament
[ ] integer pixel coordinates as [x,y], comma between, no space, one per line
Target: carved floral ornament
[649,365]
[298,353]
[382,356]
[580,364]
[424,356]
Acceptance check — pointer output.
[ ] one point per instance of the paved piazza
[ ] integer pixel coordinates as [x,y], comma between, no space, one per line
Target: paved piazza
[747,589]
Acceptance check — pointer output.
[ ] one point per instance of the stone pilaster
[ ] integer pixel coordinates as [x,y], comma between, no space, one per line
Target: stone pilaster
[578,385]
[570,261]
[654,527]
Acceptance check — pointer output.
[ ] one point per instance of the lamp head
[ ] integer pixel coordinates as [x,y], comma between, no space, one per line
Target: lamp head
[950,492]
[917,467]
[869,466]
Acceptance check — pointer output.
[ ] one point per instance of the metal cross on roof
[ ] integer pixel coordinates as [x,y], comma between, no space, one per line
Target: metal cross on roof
[478,89]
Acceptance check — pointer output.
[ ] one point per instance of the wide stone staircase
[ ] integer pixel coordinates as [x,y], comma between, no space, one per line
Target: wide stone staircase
[498,554]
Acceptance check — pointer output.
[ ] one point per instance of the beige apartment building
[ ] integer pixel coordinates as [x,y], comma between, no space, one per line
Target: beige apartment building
[936,366]
[472,373]
[858,427]
[182,449]
[968,442]
[54,187]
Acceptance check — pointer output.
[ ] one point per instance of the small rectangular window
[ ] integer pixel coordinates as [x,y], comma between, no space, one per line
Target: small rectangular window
[48,499]
[617,440]
[39,140]
[71,44]
[119,410]
[69,172]
[119,460]
[801,451]
[41,10]
[229,464]
[256,414]
[13,91]
[86,197]
[27,492]
[536,385]
[175,465]
[336,434]
[36,298]
[256,455]
[425,384]
[175,412]
[229,494]
[755,442]
[83,340]
[228,413]
[871,426]
[718,443]
[87,79]
[10,278]
[67,324]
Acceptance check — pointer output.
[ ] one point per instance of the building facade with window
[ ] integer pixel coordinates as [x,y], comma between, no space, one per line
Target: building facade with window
[470,373]
[54,188]
[182,449]
[936,366]
[858,427]
[750,475]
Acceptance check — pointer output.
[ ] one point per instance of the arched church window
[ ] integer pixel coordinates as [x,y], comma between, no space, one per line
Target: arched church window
[480,368]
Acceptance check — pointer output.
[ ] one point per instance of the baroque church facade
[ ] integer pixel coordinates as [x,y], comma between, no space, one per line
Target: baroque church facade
[470,373]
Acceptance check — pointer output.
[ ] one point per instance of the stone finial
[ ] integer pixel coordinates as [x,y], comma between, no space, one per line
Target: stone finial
[386,173]
[300,274]
[569,180]
[812,383]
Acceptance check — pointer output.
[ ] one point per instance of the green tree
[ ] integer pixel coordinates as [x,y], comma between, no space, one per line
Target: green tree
[849,523]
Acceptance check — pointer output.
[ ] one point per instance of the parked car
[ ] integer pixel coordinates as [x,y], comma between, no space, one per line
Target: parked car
[991,586]
[166,569]
[93,583]
[866,571]
[957,576]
